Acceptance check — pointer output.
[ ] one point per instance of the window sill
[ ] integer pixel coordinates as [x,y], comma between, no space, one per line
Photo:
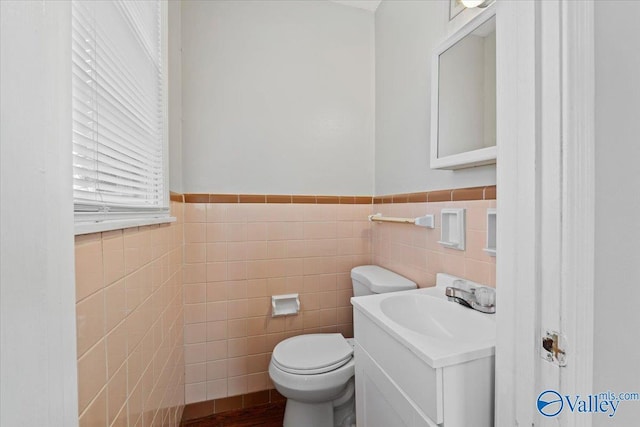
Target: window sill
[118,224]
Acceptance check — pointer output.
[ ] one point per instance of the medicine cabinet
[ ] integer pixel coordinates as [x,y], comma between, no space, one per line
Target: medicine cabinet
[463,96]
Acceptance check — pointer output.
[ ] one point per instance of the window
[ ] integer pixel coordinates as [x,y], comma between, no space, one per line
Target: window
[119,114]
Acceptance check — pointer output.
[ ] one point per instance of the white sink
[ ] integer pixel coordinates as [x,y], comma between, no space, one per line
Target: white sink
[422,360]
[439,331]
[437,318]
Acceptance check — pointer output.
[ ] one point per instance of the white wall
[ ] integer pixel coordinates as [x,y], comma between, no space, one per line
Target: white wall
[617,234]
[406,33]
[37,286]
[278,97]
[175,97]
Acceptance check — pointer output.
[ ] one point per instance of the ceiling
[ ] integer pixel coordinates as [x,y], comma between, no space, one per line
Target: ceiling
[370,5]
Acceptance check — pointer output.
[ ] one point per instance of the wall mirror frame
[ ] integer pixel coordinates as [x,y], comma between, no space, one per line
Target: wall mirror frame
[463,103]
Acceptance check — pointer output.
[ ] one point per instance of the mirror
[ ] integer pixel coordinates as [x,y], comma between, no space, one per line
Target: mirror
[463,105]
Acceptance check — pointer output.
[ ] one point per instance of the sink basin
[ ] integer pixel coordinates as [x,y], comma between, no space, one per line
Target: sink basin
[422,360]
[440,332]
[437,318]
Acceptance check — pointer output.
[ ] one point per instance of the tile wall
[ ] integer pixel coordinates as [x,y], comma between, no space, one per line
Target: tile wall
[415,252]
[130,325]
[216,268]
[239,254]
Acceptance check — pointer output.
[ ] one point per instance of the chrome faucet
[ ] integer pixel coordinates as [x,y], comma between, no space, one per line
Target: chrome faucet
[478,298]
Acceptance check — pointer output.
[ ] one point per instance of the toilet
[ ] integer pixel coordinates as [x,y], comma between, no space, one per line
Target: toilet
[315,372]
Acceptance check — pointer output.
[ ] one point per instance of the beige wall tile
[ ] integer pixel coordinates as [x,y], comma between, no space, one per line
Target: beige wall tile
[134,405]
[216,389]
[235,232]
[216,252]
[89,267]
[132,240]
[216,370]
[130,330]
[256,325]
[195,233]
[92,374]
[116,347]
[216,212]
[195,273]
[237,328]
[195,293]
[257,382]
[196,392]
[478,271]
[115,304]
[195,252]
[257,345]
[135,367]
[121,419]
[216,271]
[195,212]
[195,313]
[195,373]
[256,288]
[320,212]
[236,366]
[236,347]
[237,213]
[113,256]
[195,353]
[256,231]
[96,412]
[285,231]
[217,311]
[195,333]
[217,291]
[237,309]
[117,393]
[237,256]
[236,270]
[216,350]
[90,321]
[237,251]
[237,385]
[475,244]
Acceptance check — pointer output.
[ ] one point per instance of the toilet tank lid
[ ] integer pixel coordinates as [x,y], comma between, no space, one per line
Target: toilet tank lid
[381,280]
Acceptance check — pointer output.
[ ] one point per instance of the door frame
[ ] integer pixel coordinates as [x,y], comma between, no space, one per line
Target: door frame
[545,179]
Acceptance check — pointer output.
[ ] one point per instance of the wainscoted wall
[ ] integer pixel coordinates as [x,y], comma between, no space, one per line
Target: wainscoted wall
[213,273]
[415,252]
[239,254]
[130,325]
[242,249]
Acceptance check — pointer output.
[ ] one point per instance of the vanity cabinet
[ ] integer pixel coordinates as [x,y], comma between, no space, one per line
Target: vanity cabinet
[395,387]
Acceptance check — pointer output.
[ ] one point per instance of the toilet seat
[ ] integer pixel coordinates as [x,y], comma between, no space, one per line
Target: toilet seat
[312,354]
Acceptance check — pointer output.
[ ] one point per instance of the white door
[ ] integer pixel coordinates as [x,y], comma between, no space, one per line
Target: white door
[545,204]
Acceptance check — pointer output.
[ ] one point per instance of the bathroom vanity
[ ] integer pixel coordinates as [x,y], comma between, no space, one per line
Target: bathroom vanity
[423,361]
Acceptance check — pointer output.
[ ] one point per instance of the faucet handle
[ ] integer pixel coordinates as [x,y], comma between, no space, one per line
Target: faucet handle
[485,297]
[464,285]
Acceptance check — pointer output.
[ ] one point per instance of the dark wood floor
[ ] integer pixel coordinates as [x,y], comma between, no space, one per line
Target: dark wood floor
[269,415]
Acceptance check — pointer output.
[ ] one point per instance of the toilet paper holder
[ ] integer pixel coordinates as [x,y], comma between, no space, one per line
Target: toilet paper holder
[284,305]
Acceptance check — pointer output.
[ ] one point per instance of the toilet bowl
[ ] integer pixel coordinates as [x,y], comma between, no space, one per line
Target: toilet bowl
[315,372]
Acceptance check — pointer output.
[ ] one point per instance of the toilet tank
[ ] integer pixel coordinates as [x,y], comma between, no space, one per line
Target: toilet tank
[373,279]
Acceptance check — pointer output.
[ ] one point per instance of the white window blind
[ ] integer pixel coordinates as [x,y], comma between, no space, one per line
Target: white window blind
[118,110]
